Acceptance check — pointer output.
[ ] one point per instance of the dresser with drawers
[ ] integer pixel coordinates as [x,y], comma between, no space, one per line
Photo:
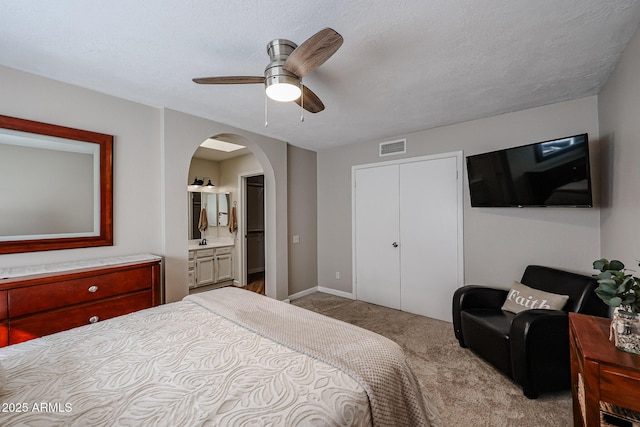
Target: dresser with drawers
[38,301]
[605,380]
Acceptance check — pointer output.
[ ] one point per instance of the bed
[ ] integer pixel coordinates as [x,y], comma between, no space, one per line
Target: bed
[226,357]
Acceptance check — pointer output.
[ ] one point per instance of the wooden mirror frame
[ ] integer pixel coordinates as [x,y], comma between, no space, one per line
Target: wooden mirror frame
[105,142]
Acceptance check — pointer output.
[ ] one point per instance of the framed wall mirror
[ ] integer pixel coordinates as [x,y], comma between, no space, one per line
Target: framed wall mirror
[56,187]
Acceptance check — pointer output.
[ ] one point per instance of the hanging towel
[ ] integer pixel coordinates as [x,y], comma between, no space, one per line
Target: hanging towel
[233,223]
[202,223]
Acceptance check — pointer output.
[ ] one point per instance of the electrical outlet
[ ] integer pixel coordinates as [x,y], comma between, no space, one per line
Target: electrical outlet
[338,275]
[296,238]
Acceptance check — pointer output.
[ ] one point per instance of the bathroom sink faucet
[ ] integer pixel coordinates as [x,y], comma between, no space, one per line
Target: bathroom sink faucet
[203,242]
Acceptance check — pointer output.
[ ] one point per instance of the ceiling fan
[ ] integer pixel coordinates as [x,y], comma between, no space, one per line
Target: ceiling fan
[289,63]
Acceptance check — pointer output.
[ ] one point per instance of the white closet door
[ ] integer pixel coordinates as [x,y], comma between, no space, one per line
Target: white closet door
[376,216]
[429,222]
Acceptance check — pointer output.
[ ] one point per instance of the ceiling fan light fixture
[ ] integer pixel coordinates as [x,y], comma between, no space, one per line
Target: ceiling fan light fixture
[288,64]
[283,88]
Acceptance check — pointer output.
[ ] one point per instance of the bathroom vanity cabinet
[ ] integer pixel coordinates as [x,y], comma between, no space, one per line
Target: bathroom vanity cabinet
[210,266]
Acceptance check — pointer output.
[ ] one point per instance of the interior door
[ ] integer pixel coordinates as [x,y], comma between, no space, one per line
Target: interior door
[376,216]
[254,228]
[429,227]
[407,222]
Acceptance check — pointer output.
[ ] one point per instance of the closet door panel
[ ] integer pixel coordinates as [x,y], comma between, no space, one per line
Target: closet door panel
[376,216]
[429,236]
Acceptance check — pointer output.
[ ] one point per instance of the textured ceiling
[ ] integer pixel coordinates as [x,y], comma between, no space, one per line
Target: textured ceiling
[404,65]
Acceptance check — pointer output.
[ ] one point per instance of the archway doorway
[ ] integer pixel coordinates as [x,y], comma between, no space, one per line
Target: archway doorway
[227,210]
[182,134]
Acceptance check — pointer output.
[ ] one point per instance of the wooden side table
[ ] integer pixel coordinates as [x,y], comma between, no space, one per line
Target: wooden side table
[599,371]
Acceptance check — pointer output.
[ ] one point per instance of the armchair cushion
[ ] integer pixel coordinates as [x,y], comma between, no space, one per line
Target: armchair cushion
[486,331]
[522,298]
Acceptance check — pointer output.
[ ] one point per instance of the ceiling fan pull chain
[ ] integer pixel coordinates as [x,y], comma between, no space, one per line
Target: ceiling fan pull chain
[301,102]
[266,122]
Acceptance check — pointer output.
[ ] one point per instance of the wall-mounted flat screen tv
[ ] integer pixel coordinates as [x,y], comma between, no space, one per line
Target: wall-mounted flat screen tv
[549,173]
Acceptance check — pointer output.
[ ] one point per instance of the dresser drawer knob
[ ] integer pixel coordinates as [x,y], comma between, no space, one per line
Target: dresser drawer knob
[93,319]
[93,288]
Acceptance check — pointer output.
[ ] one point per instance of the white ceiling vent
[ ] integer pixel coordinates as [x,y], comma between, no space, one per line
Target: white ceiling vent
[393,147]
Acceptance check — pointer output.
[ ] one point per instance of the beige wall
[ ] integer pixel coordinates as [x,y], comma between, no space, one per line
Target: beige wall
[619,112]
[498,242]
[303,256]
[201,168]
[136,130]
[150,148]
[230,169]
[152,153]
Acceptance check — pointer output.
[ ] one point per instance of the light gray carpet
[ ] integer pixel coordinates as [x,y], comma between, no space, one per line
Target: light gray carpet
[466,390]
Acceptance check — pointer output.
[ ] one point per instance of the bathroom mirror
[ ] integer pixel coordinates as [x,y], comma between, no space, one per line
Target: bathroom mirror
[56,187]
[216,205]
[212,209]
[223,209]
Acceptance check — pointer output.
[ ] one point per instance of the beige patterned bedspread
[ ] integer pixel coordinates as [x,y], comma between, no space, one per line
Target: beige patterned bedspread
[174,365]
[222,358]
[378,364]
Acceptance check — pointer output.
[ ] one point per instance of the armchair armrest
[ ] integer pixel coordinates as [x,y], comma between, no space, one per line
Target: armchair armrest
[539,342]
[474,296]
[477,296]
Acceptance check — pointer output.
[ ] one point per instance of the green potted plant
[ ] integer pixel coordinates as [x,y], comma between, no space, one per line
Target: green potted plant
[621,290]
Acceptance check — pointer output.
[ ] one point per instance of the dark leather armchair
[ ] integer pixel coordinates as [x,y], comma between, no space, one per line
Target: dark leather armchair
[531,347]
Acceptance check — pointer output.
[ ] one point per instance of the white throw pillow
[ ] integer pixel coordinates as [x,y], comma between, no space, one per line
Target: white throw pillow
[522,298]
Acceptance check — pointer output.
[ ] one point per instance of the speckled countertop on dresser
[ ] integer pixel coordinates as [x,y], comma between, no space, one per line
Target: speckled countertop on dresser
[27,270]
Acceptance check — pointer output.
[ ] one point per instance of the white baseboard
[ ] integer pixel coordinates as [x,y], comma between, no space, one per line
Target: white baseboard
[336,292]
[323,289]
[303,293]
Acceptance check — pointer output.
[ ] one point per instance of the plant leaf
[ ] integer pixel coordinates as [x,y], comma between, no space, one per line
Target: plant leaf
[605,275]
[616,265]
[608,288]
[626,284]
[608,282]
[600,264]
[628,299]
[617,274]
[614,302]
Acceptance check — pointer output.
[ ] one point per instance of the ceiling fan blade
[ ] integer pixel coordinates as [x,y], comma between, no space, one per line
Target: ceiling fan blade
[229,80]
[310,101]
[313,52]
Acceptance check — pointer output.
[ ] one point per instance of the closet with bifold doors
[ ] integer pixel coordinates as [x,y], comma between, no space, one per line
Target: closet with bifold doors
[407,233]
